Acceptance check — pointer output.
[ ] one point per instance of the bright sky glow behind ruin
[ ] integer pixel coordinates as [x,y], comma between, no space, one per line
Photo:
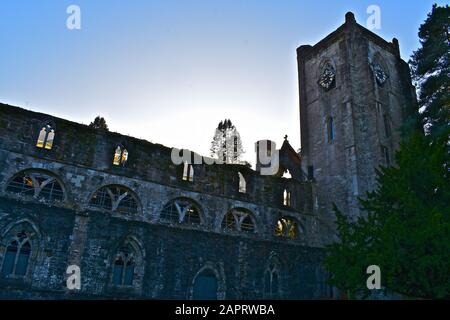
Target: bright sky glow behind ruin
[169,71]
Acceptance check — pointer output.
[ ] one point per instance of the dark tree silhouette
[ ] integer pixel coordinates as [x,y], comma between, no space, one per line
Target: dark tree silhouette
[99,123]
[430,66]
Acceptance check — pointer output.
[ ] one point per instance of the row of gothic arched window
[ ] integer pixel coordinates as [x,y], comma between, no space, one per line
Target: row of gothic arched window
[45,187]
[47,136]
[127,264]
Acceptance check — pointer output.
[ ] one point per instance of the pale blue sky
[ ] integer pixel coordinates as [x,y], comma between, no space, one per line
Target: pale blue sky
[168,71]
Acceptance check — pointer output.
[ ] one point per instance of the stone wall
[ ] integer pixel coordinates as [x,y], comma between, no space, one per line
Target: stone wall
[171,254]
[344,167]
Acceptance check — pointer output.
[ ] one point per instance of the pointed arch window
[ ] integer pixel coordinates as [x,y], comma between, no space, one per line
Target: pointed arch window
[379,107]
[46,137]
[387,127]
[271,283]
[123,270]
[205,286]
[287,228]
[188,172]
[238,220]
[181,211]
[385,155]
[115,198]
[36,184]
[120,156]
[242,183]
[330,129]
[17,255]
[128,264]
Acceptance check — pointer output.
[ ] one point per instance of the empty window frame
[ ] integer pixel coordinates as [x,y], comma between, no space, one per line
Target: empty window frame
[271,283]
[188,172]
[205,286]
[181,211]
[239,220]
[115,198]
[287,227]
[120,156]
[286,198]
[123,267]
[330,129]
[46,137]
[17,255]
[242,183]
[39,185]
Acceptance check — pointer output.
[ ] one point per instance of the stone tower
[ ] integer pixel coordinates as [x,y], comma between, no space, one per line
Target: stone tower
[355,94]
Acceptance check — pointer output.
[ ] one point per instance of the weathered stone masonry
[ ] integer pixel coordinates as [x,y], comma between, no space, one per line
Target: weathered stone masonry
[369,99]
[139,227]
[72,232]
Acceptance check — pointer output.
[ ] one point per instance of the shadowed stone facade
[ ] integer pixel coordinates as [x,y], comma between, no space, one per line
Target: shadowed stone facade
[73,231]
[138,227]
[366,113]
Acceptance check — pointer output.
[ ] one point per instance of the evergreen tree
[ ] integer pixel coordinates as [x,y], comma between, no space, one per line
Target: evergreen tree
[406,230]
[99,123]
[430,66]
[226,144]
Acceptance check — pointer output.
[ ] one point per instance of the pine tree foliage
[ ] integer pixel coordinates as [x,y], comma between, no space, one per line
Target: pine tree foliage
[406,230]
[430,66]
[226,145]
[99,123]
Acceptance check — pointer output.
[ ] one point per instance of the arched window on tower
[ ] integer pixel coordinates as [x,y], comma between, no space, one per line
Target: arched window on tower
[387,127]
[242,183]
[330,129]
[385,155]
[120,156]
[46,137]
